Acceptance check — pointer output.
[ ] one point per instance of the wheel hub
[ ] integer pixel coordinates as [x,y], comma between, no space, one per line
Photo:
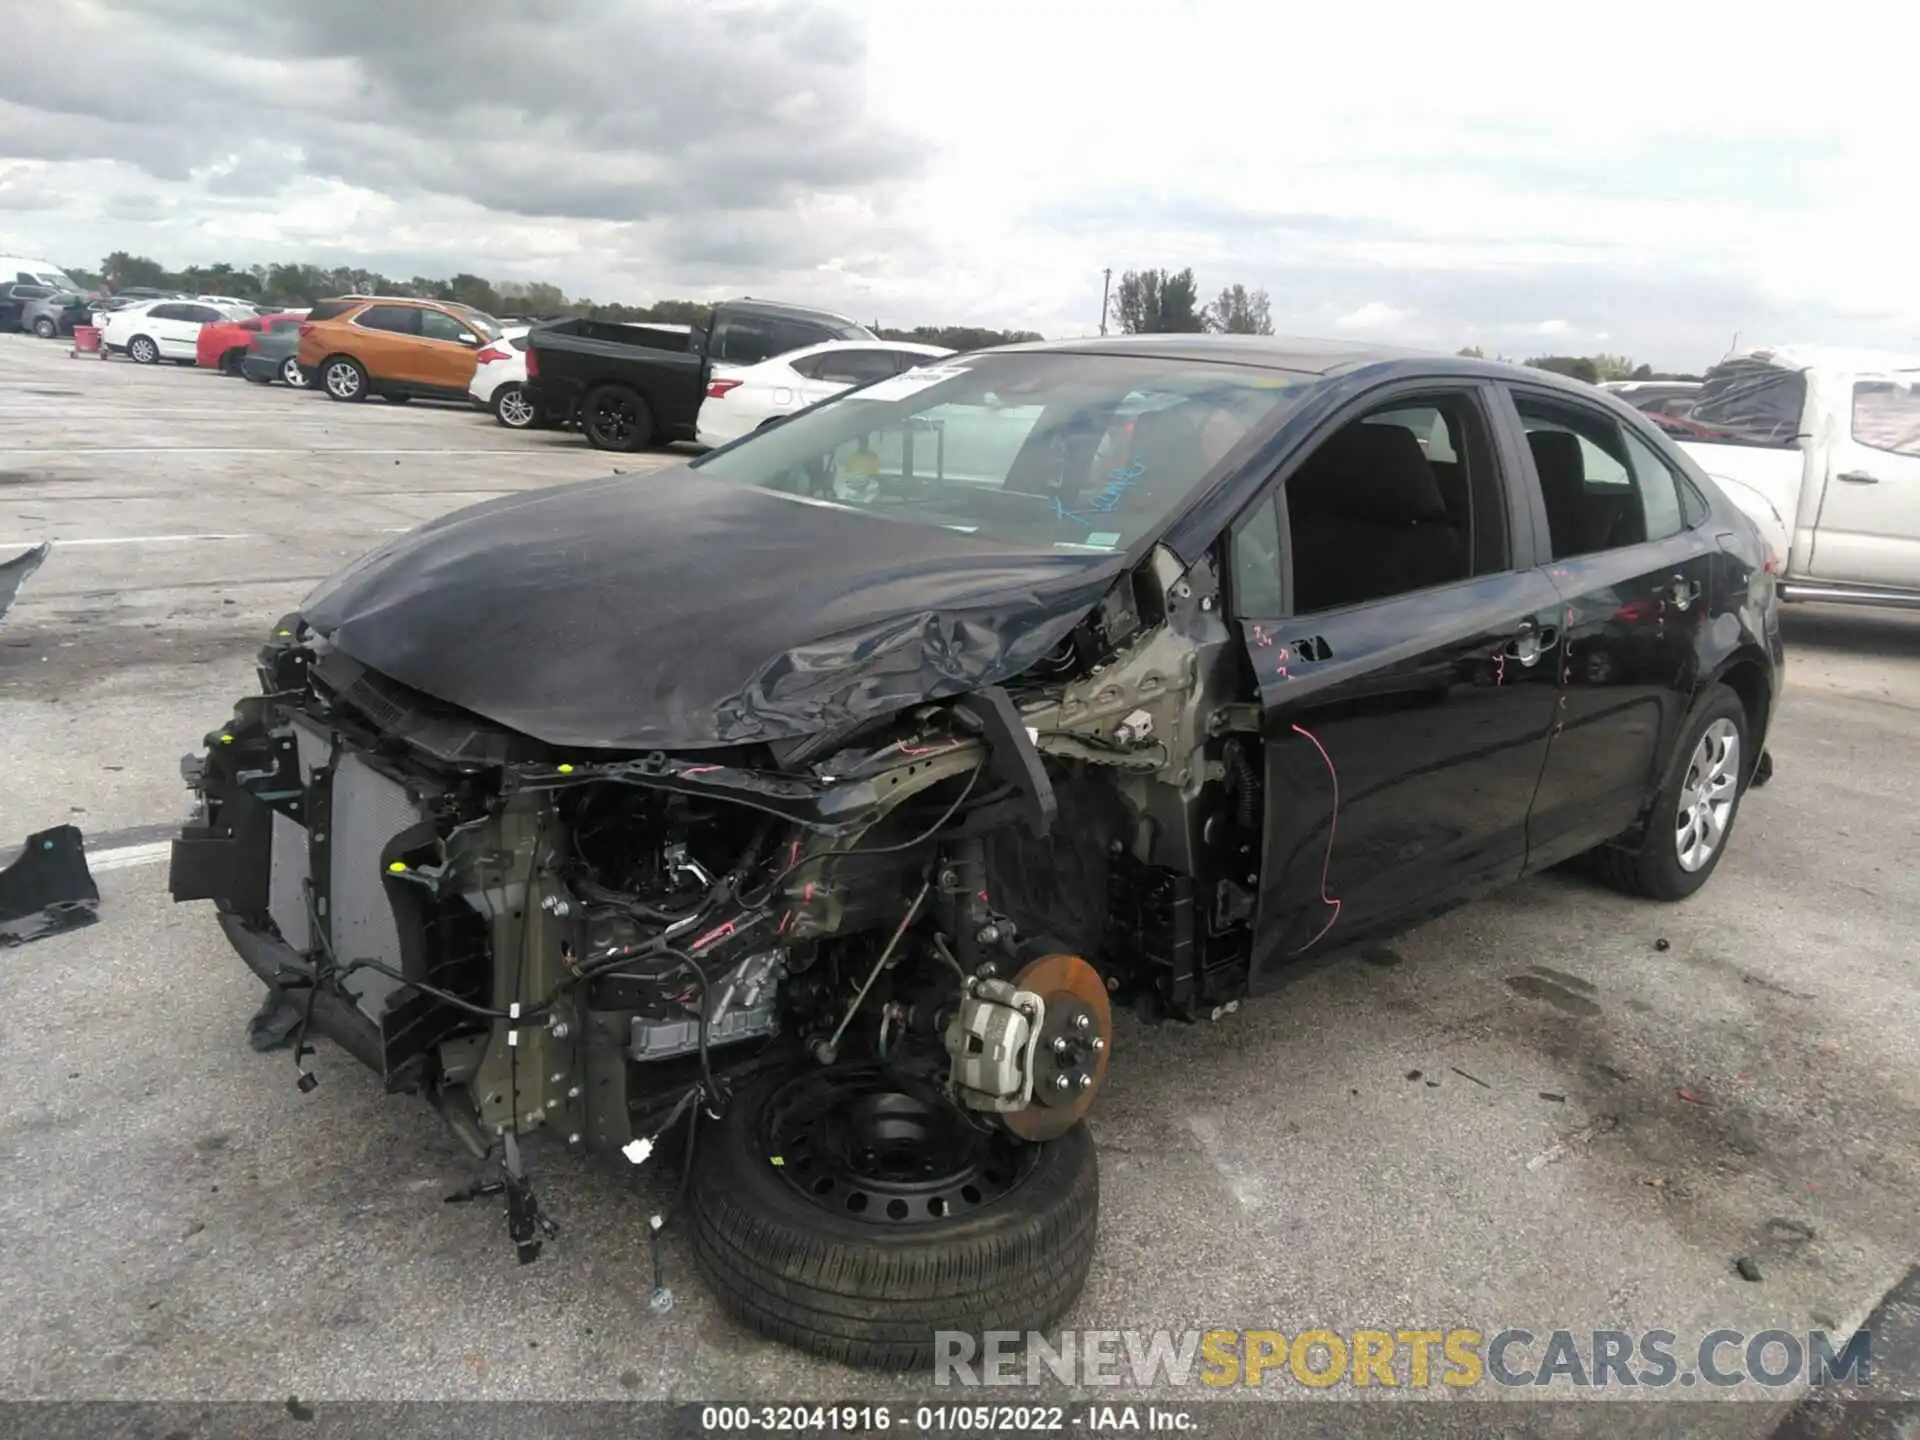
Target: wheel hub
[1076,1037]
[852,1143]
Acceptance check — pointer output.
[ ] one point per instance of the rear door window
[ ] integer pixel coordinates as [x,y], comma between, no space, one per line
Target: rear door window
[393,319]
[743,339]
[854,367]
[797,335]
[1604,489]
[168,312]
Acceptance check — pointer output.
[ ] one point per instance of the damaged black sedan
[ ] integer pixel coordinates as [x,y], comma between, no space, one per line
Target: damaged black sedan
[810,807]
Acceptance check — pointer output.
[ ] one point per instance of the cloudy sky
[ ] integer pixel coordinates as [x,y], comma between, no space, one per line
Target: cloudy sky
[1528,177]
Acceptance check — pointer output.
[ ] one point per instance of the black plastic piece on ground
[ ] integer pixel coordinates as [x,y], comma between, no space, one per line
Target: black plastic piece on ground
[15,571]
[49,889]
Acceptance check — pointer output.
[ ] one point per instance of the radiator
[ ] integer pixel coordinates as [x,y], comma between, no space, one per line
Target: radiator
[368,811]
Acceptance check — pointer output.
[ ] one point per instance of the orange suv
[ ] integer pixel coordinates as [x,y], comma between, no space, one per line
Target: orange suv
[393,346]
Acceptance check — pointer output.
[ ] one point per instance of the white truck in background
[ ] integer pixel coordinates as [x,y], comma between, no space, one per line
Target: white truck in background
[1821,447]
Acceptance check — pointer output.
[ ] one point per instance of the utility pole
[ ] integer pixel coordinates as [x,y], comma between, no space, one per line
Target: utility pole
[1106,288]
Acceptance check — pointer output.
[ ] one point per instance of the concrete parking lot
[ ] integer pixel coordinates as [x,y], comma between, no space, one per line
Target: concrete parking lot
[1531,1112]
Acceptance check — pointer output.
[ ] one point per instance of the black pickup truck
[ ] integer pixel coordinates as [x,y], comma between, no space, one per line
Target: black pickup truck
[629,386]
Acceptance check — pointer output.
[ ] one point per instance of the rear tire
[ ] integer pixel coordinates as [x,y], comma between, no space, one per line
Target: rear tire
[292,374]
[614,417]
[514,408]
[396,399]
[142,350]
[1699,798]
[791,1251]
[230,362]
[343,378]
[45,328]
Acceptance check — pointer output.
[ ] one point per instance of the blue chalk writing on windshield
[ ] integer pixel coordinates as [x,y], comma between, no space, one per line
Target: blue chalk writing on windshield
[1119,482]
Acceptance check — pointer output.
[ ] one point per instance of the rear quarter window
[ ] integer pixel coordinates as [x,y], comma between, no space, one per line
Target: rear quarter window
[331,309]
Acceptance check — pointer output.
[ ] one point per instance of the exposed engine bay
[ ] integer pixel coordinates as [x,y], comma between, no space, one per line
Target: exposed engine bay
[594,943]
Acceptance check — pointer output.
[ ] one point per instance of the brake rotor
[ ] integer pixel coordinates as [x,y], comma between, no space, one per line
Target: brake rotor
[1076,1037]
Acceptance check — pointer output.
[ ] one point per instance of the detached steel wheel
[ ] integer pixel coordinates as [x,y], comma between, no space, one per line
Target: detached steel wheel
[343,379]
[143,350]
[836,1212]
[1691,819]
[291,372]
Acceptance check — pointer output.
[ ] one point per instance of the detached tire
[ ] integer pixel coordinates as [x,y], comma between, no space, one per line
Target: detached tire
[887,1219]
[615,417]
[1699,801]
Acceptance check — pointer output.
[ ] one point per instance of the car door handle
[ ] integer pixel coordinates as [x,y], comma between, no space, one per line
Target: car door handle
[1858,477]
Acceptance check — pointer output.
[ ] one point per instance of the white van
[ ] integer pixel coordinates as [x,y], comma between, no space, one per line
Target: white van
[20,270]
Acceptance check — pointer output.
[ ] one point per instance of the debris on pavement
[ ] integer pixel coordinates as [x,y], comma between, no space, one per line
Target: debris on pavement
[13,573]
[1747,1268]
[1560,1149]
[1691,1098]
[1556,1099]
[1474,1078]
[49,889]
[1663,943]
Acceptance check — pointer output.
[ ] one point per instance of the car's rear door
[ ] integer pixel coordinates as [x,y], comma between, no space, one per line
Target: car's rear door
[197,318]
[386,342]
[1403,645]
[1635,572]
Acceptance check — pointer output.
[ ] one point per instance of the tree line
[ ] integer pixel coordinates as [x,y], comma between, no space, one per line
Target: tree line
[301,285]
[1167,302]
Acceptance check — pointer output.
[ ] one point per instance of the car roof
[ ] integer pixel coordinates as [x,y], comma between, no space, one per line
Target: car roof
[827,347]
[1298,354]
[783,307]
[1841,359]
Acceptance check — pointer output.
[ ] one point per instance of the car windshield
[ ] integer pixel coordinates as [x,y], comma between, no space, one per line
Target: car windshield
[1073,451]
[489,328]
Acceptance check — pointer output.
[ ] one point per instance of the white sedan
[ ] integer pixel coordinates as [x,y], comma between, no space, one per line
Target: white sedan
[741,399]
[157,330]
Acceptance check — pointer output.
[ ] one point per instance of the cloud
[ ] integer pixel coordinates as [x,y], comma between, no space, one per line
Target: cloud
[987,161]
[1374,315]
[1553,327]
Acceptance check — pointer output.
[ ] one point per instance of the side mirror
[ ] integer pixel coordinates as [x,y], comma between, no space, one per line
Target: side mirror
[469,338]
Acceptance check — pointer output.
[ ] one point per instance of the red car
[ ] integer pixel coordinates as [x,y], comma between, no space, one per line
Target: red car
[223,344]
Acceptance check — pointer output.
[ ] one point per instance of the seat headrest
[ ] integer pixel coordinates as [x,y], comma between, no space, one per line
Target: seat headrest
[1557,457]
[1376,473]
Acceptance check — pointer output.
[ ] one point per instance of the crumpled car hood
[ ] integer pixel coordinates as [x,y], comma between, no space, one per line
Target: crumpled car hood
[673,611]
